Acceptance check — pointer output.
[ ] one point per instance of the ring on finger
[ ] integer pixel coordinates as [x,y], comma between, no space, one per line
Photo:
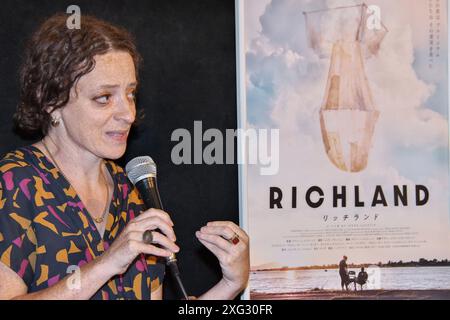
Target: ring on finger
[234,240]
[147,237]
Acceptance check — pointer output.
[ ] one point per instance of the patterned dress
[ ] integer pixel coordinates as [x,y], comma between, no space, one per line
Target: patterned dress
[46,232]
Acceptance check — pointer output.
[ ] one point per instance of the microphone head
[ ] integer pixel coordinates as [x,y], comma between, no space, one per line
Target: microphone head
[140,168]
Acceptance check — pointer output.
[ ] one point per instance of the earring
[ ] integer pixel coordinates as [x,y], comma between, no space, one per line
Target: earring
[55,122]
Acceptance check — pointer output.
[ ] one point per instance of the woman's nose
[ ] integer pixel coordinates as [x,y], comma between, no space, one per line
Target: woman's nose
[126,110]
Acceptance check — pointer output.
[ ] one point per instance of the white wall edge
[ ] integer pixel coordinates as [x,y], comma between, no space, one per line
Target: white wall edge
[241,120]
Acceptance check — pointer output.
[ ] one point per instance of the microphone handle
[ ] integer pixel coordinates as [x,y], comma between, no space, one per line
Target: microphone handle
[148,190]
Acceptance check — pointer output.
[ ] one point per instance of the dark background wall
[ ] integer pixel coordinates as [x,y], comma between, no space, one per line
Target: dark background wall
[188,74]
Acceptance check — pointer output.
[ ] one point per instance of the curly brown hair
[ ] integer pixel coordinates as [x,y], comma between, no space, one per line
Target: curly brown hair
[56,58]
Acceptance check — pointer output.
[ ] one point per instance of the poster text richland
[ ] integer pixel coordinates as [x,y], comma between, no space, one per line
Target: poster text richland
[346,196]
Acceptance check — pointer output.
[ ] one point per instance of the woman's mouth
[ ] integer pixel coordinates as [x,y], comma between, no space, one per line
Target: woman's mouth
[118,136]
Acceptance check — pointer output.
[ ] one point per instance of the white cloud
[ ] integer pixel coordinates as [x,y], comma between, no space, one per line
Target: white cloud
[254,9]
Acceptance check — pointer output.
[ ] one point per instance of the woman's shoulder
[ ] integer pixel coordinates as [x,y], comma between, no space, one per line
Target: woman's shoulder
[17,177]
[17,173]
[15,161]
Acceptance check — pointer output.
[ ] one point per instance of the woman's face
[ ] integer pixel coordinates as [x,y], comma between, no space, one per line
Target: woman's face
[101,109]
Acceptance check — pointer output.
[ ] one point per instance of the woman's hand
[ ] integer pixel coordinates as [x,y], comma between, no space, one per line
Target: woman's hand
[234,259]
[129,244]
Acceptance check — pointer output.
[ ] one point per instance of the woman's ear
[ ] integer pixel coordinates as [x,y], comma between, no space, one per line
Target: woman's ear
[55,116]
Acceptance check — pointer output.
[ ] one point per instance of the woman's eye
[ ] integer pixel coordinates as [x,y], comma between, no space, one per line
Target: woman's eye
[103,99]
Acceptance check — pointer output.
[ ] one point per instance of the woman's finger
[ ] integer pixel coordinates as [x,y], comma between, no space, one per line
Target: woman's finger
[216,240]
[158,238]
[150,249]
[218,252]
[155,213]
[223,231]
[165,242]
[241,233]
[153,223]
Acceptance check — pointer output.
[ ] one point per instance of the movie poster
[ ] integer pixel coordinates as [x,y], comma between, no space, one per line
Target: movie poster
[356,96]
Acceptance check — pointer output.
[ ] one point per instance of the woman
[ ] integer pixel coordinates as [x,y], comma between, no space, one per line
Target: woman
[71,223]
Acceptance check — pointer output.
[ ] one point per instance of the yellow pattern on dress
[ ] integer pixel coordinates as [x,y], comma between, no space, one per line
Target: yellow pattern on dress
[23,222]
[44,275]
[40,218]
[137,284]
[41,193]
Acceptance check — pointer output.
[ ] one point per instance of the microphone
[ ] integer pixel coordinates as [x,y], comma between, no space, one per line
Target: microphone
[141,171]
